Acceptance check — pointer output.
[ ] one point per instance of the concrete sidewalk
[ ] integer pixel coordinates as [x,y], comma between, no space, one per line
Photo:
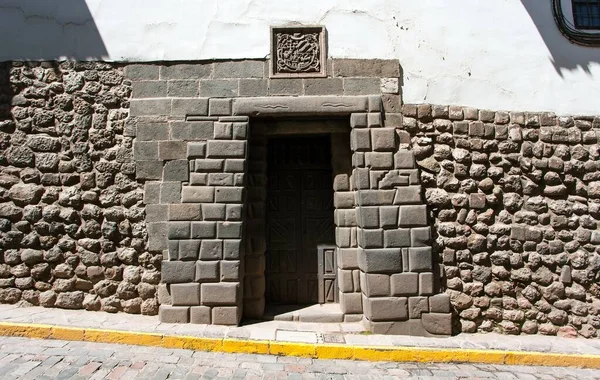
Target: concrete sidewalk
[322,340]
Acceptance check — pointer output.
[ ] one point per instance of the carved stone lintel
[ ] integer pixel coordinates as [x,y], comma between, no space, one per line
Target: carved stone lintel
[298,52]
[305,105]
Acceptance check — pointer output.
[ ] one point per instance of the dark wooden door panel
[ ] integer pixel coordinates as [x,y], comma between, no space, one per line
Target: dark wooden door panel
[299,217]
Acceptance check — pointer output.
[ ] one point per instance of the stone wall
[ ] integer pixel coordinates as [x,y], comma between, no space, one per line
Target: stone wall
[72,229]
[515,204]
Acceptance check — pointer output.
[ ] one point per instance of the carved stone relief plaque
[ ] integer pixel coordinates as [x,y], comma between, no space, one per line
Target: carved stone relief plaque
[298,52]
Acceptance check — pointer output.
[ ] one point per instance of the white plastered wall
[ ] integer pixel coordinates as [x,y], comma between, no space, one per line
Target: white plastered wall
[495,54]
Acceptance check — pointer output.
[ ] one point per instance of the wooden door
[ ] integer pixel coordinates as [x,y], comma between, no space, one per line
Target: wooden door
[299,216]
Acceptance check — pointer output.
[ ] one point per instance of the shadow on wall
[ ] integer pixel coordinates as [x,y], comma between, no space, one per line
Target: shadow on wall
[34,30]
[565,55]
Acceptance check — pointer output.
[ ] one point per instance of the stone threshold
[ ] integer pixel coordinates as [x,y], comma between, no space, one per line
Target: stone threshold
[319,313]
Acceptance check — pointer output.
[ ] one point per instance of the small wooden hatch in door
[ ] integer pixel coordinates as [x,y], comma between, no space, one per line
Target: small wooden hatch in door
[299,217]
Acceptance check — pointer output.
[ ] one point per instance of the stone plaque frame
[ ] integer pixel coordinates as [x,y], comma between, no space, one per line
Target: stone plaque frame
[297,31]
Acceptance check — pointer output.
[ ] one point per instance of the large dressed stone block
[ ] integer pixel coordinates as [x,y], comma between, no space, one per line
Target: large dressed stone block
[358,120]
[172,150]
[360,140]
[347,258]
[383,139]
[378,68]
[188,249]
[405,284]
[439,303]
[345,218]
[230,270]
[148,170]
[150,107]
[207,271]
[170,192]
[404,159]
[343,199]
[414,215]
[204,230]
[420,259]
[226,315]
[213,211]
[367,217]
[379,160]
[408,195]
[420,237]
[196,149]
[185,71]
[219,107]
[437,323]
[185,212]
[138,72]
[173,272]
[223,131]
[370,238]
[179,230]
[351,303]
[183,107]
[345,281]
[211,250]
[145,150]
[233,212]
[375,197]
[185,294]
[385,308]
[396,238]
[157,236]
[229,230]
[388,216]
[380,260]
[176,170]
[222,148]
[232,249]
[197,194]
[174,314]
[152,193]
[229,194]
[208,165]
[182,88]
[235,165]
[426,284]
[374,285]
[417,306]
[200,315]
[220,179]
[173,250]
[239,69]
[224,293]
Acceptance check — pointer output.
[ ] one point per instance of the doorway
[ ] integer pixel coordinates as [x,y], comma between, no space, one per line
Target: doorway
[299,216]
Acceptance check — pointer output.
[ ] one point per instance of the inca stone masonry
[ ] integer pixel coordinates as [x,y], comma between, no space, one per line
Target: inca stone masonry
[208,192]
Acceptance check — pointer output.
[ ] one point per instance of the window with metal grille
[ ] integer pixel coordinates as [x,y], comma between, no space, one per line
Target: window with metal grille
[586,14]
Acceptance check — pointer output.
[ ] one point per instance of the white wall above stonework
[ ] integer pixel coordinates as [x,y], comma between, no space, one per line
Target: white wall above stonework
[497,54]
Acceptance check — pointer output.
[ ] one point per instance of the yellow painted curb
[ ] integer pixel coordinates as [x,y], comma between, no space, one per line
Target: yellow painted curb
[317,351]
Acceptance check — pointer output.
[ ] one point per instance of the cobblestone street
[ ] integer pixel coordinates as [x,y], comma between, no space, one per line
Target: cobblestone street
[23,358]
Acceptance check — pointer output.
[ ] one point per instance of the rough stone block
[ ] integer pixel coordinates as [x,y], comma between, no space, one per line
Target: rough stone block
[170,192]
[213,211]
[173,314]
[380,260]
[376,285]
[185,294]
[413,216]
[229,230]
[420,259]
[179,230]
[203,230]
[383,139]
[200,315]
[219,107]
[230,270]
[477,200]
[188,249]
[405,284]
[172,150]
[396,238]
[150,107]
[229,194]
[437,323]
[388,216]
[197,194]
[417,306]
[439,303]
[173,272]
[426,284]
[195,106]
[207,271]
[420,237]
[351,303]
[219,148]
[386,308]
[224,293]
[211,250]
[176,170]
[228,316]
[370,238]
